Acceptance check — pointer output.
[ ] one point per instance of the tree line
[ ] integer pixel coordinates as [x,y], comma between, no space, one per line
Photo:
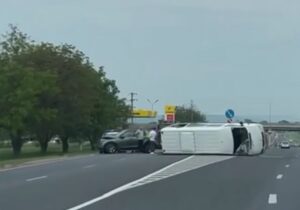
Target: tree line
[48,90]
[189,114]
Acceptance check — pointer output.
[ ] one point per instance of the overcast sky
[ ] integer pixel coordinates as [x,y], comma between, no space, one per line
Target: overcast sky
[220,54]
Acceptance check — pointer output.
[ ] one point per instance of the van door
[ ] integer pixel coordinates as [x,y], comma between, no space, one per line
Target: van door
[240,140]
[187,140]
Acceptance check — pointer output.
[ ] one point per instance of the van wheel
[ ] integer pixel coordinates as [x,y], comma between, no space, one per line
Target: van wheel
[149,147]
[110,148]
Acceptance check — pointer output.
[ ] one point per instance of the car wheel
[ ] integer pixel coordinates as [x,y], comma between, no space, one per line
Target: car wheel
[149,147]
[111,148]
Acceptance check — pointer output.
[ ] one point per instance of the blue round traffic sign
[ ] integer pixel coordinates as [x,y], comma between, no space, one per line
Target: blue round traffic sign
[229,114]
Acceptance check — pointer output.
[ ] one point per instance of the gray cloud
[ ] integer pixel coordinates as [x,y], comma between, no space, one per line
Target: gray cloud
[240,54]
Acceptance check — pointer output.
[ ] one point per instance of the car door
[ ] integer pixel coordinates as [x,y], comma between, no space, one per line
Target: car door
[128,140]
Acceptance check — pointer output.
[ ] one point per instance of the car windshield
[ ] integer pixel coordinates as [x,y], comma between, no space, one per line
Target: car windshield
[110,134]
[122,133]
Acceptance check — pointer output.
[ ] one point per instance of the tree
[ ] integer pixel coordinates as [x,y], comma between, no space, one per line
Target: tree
[189,114]
[248,121]
[14,43]
[52,90]
[24,85]
[86,102]
[17,87]
[264,122]
[73,101]
[109,111]
[282,122]
[43,120]
[15,106]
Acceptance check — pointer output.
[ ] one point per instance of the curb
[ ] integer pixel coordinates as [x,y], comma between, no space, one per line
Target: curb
[42,162]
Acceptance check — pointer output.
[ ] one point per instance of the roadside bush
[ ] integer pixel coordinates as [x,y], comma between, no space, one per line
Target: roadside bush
[5,144]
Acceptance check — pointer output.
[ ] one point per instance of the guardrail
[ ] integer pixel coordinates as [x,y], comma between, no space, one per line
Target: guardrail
[282,127]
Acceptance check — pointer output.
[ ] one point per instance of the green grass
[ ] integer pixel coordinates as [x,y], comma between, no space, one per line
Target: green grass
[31,152]
[295,136]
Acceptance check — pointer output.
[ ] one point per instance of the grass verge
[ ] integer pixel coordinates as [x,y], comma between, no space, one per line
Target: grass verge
[31,152]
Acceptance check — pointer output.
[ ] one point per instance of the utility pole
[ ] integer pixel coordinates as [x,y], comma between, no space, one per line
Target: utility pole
[192,111]
[132,99]
[270,113]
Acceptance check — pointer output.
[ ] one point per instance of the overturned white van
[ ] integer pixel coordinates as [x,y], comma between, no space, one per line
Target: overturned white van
[212,138]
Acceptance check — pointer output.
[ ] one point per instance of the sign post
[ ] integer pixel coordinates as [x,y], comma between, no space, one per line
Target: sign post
[170,113]
[170,117]
[229,114]
[143,113]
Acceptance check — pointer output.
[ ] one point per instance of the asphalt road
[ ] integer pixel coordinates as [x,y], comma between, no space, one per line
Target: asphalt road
[269,181]
[63,184]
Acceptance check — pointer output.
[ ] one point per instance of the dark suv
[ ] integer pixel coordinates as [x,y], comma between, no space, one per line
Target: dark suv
[126,140]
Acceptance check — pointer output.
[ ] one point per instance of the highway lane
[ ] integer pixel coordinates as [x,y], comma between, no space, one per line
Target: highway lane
[239,183]
[242,183]
[288,188]
[62,184]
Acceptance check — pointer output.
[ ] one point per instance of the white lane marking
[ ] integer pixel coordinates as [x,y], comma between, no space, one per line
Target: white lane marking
[121,188]
[182,166]
[272,199]
[287,165]
[89,166]
[279,176]
[36,178]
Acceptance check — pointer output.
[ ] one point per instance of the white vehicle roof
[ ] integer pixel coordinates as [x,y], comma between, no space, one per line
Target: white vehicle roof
[201,126]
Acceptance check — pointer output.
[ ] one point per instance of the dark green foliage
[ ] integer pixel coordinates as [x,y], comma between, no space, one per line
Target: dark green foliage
[49,90]
[248,121]
[189,114]
[283,122]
